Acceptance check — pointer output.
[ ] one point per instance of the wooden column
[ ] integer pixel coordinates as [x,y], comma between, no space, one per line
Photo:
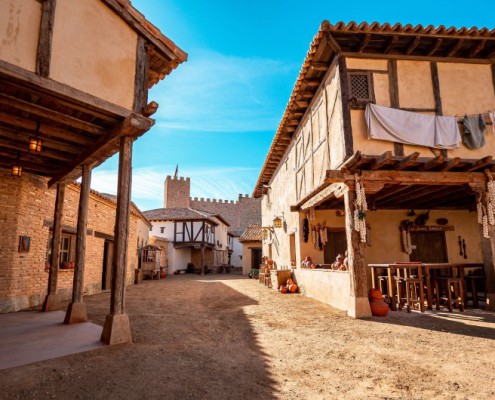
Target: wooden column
[117,329]
[346,111]
[76,312]
[202,260]
[52,302]
[488,250]
[359,306]
[46,35]
[393,86]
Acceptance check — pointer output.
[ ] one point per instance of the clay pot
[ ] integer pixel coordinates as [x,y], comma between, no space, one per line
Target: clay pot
[293,288]
[283,289]
[378,307]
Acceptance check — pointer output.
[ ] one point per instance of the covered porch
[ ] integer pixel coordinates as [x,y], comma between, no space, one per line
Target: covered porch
[430,202]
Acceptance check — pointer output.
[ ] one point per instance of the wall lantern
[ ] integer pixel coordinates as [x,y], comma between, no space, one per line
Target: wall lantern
[277,222]
[35,142]
[264,234]
[17,168]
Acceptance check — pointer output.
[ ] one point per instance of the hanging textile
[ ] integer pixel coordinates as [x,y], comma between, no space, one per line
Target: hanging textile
[491,114]
[474,131]
[385,123]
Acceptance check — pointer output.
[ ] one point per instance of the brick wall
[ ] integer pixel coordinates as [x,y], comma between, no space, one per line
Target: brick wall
[26,208]
[177,192]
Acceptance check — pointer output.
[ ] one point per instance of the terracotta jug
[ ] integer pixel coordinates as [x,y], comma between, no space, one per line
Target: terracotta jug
[378,307]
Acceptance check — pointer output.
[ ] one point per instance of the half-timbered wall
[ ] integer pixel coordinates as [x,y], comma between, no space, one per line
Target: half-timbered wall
[19,32]
[94,50]
[463,88]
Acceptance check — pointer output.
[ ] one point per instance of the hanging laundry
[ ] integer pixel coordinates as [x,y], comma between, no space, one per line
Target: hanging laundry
[385,123]
[492,118]
[474,131]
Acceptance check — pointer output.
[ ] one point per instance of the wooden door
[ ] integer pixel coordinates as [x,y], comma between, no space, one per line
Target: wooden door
[106,279]
[336,244]
[255,258]
[429,247]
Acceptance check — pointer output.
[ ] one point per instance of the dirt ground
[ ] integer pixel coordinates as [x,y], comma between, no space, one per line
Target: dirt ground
[226,337]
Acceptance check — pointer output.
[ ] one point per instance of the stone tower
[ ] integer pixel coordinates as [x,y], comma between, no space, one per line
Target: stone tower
[177,192]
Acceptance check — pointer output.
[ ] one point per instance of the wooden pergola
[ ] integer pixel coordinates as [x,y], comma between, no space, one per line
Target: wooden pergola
[79,131]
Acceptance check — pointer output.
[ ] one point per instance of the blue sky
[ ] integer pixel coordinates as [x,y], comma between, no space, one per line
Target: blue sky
[219,111]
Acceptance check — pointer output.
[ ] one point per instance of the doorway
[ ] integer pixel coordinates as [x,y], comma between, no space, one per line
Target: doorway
[429,247]
[255,258]
[336,244]
[106,276]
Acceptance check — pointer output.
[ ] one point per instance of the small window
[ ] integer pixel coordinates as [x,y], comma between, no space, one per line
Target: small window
[65,249]
[162,229]
[361,88]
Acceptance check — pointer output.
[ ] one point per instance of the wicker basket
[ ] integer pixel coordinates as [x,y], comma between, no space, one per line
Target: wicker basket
[279,277]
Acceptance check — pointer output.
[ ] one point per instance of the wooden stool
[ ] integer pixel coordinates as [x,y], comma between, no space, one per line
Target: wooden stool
[471,283]
[453,286]
[415,293]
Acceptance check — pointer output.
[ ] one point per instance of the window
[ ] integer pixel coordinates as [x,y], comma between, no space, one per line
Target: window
[361,88]
[65,249]
[162,229]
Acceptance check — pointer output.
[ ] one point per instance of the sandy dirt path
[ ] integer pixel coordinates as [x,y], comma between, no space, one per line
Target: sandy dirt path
[225,337]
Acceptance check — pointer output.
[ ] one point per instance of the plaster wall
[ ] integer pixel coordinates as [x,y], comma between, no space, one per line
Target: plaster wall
[464,89]
[235,258]
[168,232]
[94,50]
[19,32]
[177,258]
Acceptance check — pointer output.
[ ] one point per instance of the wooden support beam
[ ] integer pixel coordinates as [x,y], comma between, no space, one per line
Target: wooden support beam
[52,302]
[383,160]
[302,103]
[432,164]
[150,109]
[392,43]
[312,82]
[141,78]
[413,45]
[406,162]
[477,48]
[435,47]
[436,88]
[45,38]
[451,164]
[76,311]
[135,125]
[393,87]
[480,164]
[399,196]
[346,112]
[52,115]
[455,48]
[332,42]
[488,251]
[410,177]
[359,306]
[316,66]
[117,329]
[364,43]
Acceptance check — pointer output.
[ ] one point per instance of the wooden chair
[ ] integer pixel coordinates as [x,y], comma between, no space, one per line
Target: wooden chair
[454,289]
[410,288]
[473,285]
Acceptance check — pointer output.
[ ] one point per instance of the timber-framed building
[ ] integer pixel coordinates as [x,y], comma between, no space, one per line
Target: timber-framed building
[355,76]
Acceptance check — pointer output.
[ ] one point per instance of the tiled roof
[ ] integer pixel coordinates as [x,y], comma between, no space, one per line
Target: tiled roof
[180,214]
[251,234]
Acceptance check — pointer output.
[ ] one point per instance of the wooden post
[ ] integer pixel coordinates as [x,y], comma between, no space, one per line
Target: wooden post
[359,306]
[202,259]
[488,250]
[52,302]
[117,329]
[46,35]
[76,311]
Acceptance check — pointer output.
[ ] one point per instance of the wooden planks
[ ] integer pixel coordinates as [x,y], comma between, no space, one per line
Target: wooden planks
[45,38]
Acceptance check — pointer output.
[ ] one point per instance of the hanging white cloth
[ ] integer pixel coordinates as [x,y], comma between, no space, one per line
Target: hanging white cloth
[385,123]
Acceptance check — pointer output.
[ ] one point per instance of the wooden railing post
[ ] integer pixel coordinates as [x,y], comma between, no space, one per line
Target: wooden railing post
[359,306]
[117,328]
[52,301]
[76,311]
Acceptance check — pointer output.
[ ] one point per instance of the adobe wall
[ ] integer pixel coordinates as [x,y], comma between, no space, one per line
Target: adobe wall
[26,208]
[19,32]
[464,89]
[94,50]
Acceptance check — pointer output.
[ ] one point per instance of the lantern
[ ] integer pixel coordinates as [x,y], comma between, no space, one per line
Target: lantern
[264,234]
[35,142]
[277,222]
[16,170]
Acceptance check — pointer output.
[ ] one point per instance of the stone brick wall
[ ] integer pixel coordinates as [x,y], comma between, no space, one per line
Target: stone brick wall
[26,209]
[177,192]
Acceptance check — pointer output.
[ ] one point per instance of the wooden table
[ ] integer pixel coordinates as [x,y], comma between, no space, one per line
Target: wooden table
[457,270]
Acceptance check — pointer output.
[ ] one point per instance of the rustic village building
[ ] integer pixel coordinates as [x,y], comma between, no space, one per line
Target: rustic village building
[201,232]
[251,248]
[381,107]
[74,80]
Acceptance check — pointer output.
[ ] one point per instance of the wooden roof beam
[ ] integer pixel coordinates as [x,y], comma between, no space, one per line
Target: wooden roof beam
[332,43]
[433,163]
[451,164]
[316,66]
[407,161]
[20,146]
[392,43]
[383,160]
[364,43]
[411,177]
[482,163]
[476,49]
[435,47]
[454,49]
[312,82]
[413,45]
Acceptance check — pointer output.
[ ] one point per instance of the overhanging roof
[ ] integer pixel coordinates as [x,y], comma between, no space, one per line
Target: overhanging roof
[373,41]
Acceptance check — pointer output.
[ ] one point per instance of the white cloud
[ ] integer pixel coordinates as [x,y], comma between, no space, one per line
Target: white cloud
[220,93]
[147,183]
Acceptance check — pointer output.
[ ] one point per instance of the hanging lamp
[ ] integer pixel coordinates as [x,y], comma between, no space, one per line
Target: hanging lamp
[17,168]
[35,142]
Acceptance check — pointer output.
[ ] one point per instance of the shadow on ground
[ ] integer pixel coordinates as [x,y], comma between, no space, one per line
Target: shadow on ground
[191,340]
